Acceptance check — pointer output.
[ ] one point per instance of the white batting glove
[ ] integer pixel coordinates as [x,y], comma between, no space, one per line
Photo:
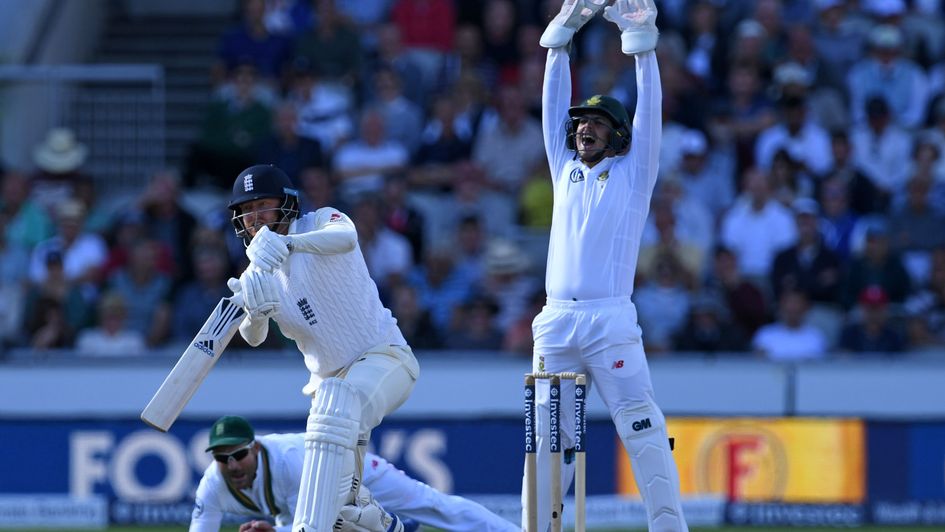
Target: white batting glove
[573,15]
[258,292]
[268,250]
[636,20]
[237,297]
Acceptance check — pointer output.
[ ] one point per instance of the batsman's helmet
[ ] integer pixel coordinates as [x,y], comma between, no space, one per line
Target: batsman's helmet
[602,105]
[259,182]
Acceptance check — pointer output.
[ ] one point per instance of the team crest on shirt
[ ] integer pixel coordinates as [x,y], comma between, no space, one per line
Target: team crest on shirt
[247,182]
[603,175]
[541,363]
[307,313]
[577,175]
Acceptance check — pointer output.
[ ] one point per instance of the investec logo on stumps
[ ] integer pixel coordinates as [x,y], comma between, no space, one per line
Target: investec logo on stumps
[529,419]
[554,406]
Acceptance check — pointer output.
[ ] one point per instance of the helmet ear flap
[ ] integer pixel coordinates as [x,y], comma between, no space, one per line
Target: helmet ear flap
[570,129]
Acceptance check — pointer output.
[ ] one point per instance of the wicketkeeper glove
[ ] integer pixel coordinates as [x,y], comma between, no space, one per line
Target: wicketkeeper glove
[268,250]
[636,20]
[573,15]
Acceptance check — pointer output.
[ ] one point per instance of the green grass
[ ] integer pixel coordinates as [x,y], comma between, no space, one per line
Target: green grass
[723,529]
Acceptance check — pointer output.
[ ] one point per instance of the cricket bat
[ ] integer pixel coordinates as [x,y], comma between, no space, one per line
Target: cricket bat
[192,367]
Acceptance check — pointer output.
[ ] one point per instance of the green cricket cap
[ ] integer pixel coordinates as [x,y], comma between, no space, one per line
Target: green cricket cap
[605,105]
[230,430]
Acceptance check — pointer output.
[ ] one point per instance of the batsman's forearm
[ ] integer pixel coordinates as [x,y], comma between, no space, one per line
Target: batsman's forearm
[329,240]
[254,331]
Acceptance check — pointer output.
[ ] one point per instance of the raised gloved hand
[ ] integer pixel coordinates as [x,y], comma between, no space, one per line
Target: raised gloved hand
[636,20]
[573,15]
[268,250]
[256,292]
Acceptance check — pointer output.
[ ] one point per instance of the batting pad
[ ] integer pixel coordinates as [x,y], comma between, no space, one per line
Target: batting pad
[331,439]
[643,432]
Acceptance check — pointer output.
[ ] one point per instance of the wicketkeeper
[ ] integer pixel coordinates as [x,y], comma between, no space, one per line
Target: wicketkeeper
[603,170]
[260,476]
[308,274]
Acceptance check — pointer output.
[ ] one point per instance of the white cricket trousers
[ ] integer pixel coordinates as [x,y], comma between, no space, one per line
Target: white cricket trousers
[602,339]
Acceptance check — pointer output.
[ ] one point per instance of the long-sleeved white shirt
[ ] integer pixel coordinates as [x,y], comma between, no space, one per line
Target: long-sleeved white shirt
[599,212]
[329,303]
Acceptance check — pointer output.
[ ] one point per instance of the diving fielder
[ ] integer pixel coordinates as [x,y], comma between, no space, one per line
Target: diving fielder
[308,274]
[604,172]
[264,480]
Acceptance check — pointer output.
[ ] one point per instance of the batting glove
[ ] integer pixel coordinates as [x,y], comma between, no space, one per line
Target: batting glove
[573,15]
[268,250]
[258,292]
[636,20]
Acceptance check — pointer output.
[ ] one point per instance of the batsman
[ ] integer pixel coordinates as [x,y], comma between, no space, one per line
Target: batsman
[308,274]
[604,168]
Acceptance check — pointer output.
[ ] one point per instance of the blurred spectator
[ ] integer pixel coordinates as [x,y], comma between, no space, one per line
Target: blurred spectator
[881,148]
[324,108]
[146,292]
[388,254]
[925,310]
[249,41]
[862,196]
[82,254]
[536,200]
[401,217]
[694,222]
[872,332]
[317,190]
[466,61]
[284,147]
[885,72]
[363,164]
[56,308]
[789,178]
[369,19]
[704,43]
[662,303]
[508,129]
[668,241]
[414,322]
[507,280]
[232,128]
[518,336]
[757,227]
[745,300]
[475,326]
[194,300]
[876,265]
[807,266]
[441,287]
[27,221]
[14,265]
[392,54]
[742,112]
[470,242]
[445,143]
[47,326]
[708,328]
[916,229]
[167,220]
[838,44]
[803,139]
[427,28]
[59,160]
[837,221]
[403,119]
[111,337]
[499,23]
[703,176]
[332,47]
[129,229]
[790,338]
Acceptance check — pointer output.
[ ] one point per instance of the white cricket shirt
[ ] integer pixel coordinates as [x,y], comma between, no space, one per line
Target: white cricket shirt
[329,303]
[599,212]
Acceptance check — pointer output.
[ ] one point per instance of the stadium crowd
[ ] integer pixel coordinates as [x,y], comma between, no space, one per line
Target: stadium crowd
[800,210]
